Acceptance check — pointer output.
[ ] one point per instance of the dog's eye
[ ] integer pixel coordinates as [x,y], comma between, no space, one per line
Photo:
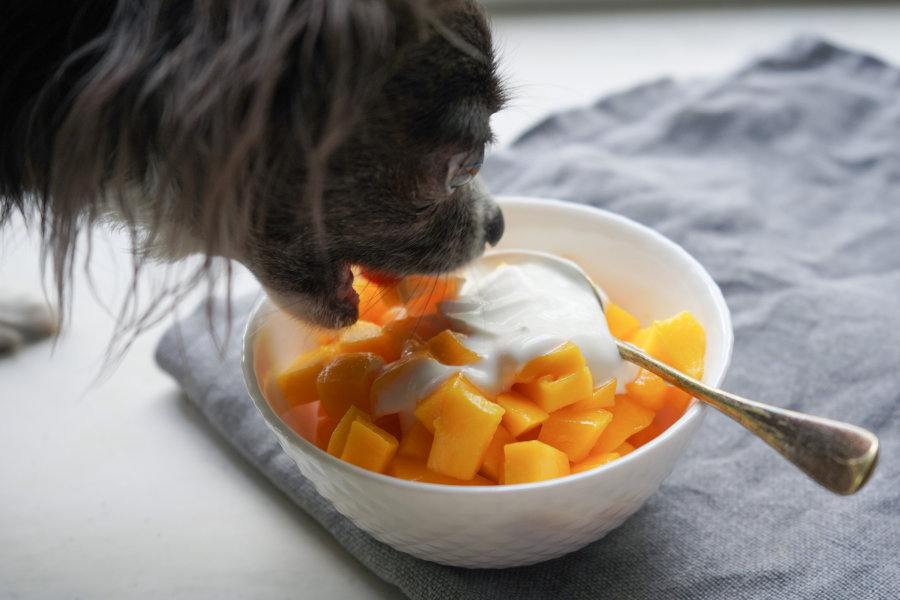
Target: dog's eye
[463,167]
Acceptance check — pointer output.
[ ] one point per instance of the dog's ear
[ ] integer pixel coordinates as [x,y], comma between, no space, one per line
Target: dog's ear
[195,103]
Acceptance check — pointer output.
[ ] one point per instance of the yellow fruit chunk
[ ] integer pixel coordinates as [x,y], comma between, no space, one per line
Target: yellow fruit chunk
[624,448]
[648,434]
[552,394]
[338,439]
[562,360]
[371,306]
[365,336]
[394,381]
[421,327]
[595,460]
[414,469]
[648,390]
[621,324]
[448,348]
[521,413]
[629,417]
[415,442]
[574,432]
[369,446]
[462,430]
[685,342]
[492,466]
[601,397]
[650,340]
[533,461]
[422,293]
[298,381]
[428,409]
[679,399]
[346,381]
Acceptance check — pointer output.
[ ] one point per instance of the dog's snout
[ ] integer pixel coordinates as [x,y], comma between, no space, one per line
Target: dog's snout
[493,229]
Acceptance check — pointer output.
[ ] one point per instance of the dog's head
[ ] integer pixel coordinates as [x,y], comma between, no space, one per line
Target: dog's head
[399,193]
[298,137]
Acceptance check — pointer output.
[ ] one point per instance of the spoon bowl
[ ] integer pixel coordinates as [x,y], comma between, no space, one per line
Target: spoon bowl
[839,456]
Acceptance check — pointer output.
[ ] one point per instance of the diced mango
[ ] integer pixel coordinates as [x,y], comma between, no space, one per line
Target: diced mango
[369,446]
[420,327]
[415,469]
[394,380]
[678,398]
[462,430]
[422,293]
[552,394]
[525,462]
[602,396]
[649,339]
[595,460]
[415,442]
[492,466]
[684,340]
[428,409]
[371,307]
[629,417]
[339,434]
[667,415]
[298,381]
[624,448]
[365,336]
[648,390]
[622,325]
[521,413]
[346,381]
[448,348]
[648,434]
[559,362]
[574,432]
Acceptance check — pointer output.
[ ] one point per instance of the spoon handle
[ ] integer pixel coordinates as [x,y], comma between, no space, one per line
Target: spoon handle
[839,456]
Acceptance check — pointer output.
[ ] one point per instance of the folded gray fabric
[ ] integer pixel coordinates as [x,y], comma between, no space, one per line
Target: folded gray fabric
[783,179]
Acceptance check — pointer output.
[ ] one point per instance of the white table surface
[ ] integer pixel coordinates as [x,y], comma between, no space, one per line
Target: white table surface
[117,489]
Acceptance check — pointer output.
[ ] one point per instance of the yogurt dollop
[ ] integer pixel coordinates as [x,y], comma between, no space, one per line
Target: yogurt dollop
[510,316]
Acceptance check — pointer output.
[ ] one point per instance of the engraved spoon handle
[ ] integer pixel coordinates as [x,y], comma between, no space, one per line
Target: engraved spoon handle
[839,456]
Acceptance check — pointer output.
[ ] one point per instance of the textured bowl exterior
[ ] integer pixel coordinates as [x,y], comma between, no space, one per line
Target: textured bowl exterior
[505,526]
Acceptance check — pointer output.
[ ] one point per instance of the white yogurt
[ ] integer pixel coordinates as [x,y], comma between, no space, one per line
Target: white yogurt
[511,315]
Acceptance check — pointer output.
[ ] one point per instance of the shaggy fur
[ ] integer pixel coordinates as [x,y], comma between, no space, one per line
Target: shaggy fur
[297,137]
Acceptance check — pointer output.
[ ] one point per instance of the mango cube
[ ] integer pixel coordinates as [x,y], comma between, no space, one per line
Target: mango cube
[574,432]
[595,460]
[684,339]
[369,446]
[602,396]
[422,293]
[298,381]
[346,380]
[338,439]
[462,430]
[521,413]
[365,336]
[648,390]
[525,462]
[492,466]
[447,348]
[554,393]
[562,360]
[629,417]
[415,442]
[622,325]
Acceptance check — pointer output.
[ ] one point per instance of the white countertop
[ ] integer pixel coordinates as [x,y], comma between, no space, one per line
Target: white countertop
[117,489]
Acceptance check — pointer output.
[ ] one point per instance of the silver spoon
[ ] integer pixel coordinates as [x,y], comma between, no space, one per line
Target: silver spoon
[839,456]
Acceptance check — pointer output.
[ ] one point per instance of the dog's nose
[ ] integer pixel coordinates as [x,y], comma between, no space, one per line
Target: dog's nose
[493,229]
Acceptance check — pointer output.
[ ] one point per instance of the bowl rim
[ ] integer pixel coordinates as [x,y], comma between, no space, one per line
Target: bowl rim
[696,411]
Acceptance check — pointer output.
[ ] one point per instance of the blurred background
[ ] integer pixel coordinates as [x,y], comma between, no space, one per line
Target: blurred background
[114,487]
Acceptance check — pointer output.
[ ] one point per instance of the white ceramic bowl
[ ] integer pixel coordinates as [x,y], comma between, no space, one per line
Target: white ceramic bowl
[504,526]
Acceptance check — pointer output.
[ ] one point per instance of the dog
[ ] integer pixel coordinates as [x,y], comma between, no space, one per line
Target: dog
[299,138]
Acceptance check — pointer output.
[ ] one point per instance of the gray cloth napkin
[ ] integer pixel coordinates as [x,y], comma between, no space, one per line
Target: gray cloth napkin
[783,179]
